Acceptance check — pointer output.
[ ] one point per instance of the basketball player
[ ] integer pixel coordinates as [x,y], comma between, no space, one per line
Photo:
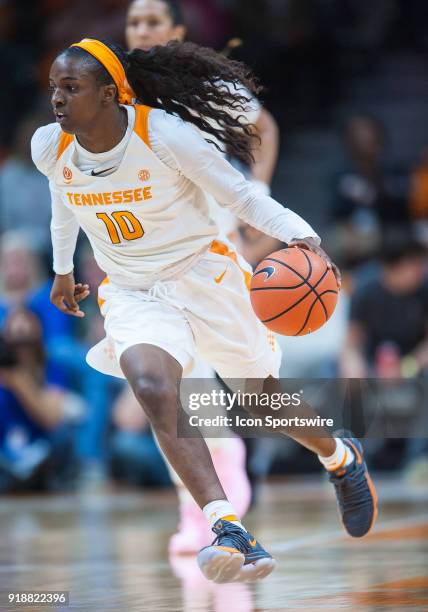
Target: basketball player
[135,179]
[157,22]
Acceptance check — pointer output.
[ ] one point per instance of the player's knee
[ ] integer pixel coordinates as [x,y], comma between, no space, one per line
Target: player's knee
[158,397]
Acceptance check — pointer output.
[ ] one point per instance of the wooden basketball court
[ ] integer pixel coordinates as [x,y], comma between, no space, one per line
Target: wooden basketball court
[108,550]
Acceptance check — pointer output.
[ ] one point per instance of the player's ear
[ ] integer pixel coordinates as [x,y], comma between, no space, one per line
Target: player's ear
[108,94]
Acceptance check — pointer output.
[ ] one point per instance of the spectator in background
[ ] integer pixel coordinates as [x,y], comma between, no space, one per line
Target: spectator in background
[391,311]
[21,270]
[388,332]
[418,201]
[369,196]
[25,201]
[37,419]
[134,455]
[23,282]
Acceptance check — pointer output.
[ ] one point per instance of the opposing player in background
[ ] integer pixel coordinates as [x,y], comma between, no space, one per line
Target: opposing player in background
[157,22]
[135,179]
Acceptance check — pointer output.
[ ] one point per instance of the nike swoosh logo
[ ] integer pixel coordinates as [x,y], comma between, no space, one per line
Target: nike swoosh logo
[220,278]
[268,270]
[253,543]
[101,171]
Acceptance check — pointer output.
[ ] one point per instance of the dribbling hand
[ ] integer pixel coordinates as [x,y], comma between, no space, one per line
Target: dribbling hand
[311,245]
[66,294]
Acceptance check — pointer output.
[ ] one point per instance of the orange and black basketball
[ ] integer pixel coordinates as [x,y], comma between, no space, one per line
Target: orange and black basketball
[293,292]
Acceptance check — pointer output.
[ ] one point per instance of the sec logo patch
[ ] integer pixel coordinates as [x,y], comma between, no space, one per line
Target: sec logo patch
[67,174]
[144,175]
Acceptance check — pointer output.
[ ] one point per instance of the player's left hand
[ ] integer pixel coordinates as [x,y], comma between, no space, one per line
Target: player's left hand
[311,245]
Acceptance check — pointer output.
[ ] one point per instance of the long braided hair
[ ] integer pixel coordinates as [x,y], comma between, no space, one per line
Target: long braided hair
[196,83]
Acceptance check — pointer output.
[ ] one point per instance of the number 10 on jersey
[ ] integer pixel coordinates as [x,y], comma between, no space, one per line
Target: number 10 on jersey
[122,225]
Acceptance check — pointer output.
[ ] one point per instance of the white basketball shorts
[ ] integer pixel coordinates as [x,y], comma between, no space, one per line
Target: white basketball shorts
[206,313]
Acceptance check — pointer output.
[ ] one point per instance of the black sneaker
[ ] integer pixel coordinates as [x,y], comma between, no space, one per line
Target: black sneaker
[355,492]
[234,556]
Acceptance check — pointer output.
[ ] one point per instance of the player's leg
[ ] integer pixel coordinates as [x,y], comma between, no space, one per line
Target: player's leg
[154,376]
[226,340]
[150,337]
[342,457]
[228,455]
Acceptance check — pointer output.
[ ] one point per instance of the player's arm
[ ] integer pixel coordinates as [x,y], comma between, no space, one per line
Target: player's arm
[65,293]
[203,165]
[266,154]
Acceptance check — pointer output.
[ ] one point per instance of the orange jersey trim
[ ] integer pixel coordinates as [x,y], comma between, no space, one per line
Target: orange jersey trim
[222,249]
[141,127]
[64,141]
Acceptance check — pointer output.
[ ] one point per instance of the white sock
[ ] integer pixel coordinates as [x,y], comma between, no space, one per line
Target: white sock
[341,457]
[221,509]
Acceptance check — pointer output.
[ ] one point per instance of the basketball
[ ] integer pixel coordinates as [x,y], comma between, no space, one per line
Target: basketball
[293,292]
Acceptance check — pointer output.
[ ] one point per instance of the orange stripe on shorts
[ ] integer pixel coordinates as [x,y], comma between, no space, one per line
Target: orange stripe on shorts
[222,249]
[100,300]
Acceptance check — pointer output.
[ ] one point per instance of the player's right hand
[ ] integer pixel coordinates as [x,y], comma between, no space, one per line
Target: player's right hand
[66,294]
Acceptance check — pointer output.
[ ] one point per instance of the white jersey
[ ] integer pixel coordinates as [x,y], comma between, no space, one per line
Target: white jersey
[149,219]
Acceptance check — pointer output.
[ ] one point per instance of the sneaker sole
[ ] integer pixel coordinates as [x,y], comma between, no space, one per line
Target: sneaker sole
[219,565]
[256,571]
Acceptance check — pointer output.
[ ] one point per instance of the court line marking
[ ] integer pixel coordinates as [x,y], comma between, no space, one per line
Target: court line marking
[327,537]
[294,544]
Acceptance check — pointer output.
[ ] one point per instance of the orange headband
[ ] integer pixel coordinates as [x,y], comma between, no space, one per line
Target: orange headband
[112,64]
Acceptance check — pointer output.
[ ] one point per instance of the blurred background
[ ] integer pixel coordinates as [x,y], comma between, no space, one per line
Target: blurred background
[347,83]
